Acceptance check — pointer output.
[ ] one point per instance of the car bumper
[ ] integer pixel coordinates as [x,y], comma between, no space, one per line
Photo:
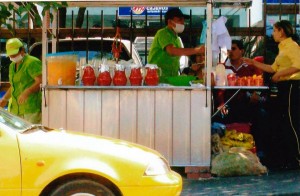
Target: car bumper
[167,185]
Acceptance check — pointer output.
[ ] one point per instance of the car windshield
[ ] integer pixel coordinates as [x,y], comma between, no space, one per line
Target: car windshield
[96,47]
[13,122]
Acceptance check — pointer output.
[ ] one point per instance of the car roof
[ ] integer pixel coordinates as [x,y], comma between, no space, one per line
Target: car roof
[81,45]
[125,42]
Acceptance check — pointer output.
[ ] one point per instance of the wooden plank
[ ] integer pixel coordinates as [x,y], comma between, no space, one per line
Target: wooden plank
[145,118]
[283,9]
[181,127]
[75,110]
[200,128]
[138,32]
[128,115]
[163,124]
[136,3]
[111,113]
[92,112]
[57,108]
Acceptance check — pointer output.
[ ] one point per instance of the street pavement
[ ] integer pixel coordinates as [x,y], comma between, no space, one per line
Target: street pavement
[273,183]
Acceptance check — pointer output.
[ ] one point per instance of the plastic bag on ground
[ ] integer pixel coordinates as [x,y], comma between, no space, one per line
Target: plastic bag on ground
[237,162]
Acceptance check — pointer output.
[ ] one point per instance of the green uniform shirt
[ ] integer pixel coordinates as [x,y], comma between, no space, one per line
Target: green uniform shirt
[22,79]
[158,55]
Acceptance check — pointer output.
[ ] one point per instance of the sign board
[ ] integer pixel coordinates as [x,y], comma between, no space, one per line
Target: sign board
[282,1]
[142,10]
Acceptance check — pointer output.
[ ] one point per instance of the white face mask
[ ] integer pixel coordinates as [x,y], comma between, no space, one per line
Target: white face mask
[16,59]
[179,28]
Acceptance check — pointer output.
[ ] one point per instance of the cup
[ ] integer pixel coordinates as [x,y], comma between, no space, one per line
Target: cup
[231,79]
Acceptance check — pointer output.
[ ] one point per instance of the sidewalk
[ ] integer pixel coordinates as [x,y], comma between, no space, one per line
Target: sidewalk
[273,183]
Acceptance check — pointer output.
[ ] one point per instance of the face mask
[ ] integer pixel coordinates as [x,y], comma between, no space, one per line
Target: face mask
[179,28]
[16,59]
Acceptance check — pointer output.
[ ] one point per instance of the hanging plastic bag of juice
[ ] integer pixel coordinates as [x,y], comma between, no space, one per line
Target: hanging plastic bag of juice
[117,45]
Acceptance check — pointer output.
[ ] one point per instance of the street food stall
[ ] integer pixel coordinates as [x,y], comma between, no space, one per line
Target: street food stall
[175,120]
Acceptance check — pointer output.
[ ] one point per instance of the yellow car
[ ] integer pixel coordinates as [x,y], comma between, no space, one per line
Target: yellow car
[37,160]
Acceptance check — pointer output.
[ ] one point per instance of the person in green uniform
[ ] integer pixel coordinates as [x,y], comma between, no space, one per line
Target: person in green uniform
[24,97]
[166,47]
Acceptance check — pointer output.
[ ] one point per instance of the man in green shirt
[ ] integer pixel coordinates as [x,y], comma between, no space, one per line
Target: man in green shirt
[25,77]
[166,47]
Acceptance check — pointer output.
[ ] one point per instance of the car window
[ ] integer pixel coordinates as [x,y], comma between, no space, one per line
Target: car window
[101,48]
[13,122]
[140,43]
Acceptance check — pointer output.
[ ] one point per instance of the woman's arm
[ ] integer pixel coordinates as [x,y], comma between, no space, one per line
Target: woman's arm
[259,65]
[285,72]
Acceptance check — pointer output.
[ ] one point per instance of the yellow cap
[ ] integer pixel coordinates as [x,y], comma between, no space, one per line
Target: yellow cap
[12,46]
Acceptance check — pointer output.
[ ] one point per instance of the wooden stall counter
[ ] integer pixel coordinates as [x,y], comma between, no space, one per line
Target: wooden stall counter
[172,120]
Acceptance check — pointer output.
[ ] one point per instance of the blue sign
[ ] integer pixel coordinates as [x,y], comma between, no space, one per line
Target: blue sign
[283,1]
[141,11]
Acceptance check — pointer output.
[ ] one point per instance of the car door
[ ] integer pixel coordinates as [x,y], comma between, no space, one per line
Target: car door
[10,169]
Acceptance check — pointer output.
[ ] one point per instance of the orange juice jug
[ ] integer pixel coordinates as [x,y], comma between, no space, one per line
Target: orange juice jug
[61,69]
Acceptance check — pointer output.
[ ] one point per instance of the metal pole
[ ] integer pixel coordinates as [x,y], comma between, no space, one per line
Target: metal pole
[72,44]
[208,44]
[44,69]
[28,31]
[102,32]
[280,9]
[87,37]
[54,31]
[249,27]
[131,33]
[265,28]
[146,33]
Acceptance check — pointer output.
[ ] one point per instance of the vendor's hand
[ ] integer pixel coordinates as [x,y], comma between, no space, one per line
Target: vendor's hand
[200,49]
[23,97]
[223,109]
[3,102]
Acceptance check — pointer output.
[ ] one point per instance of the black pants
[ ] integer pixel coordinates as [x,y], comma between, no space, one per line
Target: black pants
[286,124]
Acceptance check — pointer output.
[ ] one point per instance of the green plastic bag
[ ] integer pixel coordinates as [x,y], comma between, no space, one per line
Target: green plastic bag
[237,162]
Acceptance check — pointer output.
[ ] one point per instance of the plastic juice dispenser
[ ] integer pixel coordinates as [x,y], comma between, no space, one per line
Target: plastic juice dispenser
[220,75]
[61,68]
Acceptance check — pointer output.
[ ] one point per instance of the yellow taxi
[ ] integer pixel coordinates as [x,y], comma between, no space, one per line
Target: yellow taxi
[36,160]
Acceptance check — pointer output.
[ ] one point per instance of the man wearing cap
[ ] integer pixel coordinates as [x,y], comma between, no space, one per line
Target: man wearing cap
[166,47]
[25,76]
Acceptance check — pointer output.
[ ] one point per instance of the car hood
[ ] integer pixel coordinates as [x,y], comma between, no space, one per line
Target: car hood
[86,142]
[63,152]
